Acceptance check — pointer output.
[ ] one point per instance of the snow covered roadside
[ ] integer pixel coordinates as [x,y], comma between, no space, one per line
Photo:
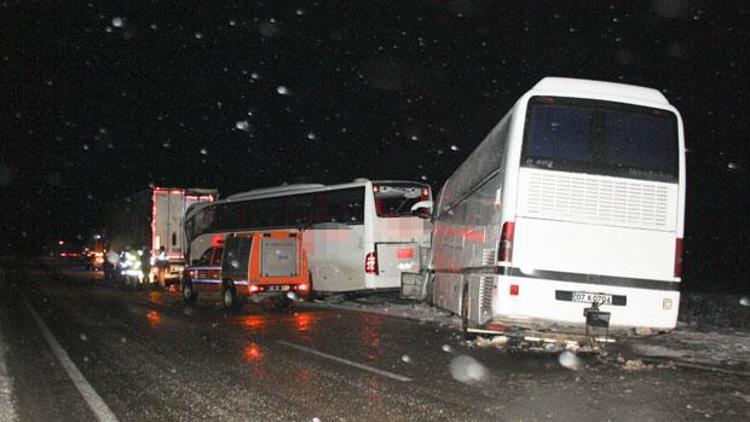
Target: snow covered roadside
[716,347]
[384,304]
[706,339]
[7,409]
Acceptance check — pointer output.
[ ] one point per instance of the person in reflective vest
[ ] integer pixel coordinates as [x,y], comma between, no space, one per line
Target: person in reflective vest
[162,265]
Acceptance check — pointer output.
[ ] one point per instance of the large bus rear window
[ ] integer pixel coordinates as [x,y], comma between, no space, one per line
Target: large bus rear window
[601,137]
[396,200]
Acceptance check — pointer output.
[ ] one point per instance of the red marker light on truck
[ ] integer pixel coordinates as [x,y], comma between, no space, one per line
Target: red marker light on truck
[254,288]
[505,248]
[371,263]
[303,287]
[405,253]
[678,249]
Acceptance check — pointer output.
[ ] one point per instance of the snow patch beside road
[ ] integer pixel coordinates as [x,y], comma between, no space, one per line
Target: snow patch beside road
[714,329]
[7,407]
[384,304]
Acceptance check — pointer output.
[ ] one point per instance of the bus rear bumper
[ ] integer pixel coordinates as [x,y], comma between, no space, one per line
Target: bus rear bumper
[559,305]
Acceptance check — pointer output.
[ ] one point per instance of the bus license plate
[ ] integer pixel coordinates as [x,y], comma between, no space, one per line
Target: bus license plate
[283,288]
[586,297]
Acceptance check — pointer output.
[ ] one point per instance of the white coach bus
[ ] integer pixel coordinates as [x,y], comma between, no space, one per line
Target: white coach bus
[576,197]
[357,236]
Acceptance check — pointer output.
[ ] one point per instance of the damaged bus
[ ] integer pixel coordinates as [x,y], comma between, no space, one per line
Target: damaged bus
[570,213]
[357,237]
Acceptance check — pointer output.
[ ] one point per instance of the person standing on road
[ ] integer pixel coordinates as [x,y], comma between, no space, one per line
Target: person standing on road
[162,264]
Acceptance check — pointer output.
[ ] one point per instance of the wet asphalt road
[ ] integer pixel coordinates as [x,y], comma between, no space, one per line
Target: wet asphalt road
[149,357]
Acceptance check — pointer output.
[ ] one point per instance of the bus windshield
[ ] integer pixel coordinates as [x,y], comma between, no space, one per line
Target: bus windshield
[601,137]
[396,200]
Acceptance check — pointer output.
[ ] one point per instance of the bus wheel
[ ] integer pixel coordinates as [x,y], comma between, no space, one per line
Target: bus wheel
[465,311]
[188,294]
[229,297]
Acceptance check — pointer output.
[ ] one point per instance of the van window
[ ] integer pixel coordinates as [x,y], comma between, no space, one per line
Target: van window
[234,261]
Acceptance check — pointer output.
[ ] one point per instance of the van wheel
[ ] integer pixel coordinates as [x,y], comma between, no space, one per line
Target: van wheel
[283,303]
[230,300]
[189,295]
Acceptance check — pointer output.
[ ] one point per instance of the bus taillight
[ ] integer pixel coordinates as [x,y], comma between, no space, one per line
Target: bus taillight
[678,248]
[505,249]
[371,263]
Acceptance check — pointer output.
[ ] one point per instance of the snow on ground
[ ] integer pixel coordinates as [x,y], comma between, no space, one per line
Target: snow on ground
[704,337]
[7,410]
[728,348]
[391,305]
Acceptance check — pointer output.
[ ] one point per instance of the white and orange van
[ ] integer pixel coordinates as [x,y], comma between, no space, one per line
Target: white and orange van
[251,266]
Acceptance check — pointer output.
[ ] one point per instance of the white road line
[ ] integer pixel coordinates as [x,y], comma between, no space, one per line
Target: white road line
[95,402]
[391,375]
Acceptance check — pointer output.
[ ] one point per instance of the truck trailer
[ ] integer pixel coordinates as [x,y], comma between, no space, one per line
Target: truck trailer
[144,223]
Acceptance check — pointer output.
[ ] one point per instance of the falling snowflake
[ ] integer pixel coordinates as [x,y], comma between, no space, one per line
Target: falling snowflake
[311,136]
[454,147]
[118,22]
[468,370]
[204,151]
[282,90]
[242,125]
[570,360]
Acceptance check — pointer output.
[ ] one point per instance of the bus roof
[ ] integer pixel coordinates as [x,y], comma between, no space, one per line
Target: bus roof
[309,187]
[586,88]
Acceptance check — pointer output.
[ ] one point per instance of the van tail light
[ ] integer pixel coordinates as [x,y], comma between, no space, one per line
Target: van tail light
[303,287]
[505,248]
[678,248]
[254,288]
[371,263]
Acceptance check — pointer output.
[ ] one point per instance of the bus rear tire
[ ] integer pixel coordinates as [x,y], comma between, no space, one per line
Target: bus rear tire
[465,312]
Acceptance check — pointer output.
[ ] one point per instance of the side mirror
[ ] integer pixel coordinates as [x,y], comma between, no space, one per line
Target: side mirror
[423,209]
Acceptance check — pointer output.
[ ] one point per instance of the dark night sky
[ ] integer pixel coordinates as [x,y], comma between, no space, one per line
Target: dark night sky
[99,99]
